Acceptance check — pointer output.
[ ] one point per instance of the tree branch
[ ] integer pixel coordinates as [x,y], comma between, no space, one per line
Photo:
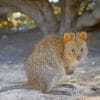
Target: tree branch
[88,19]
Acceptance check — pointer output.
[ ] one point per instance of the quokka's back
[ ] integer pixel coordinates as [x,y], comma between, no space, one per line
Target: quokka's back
[48,49]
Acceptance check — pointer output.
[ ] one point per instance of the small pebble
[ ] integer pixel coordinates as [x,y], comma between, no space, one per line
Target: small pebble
[4,37]
[93,62]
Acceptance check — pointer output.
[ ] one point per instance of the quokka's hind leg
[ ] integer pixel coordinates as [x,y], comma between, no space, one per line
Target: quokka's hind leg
[67,85]
[55,90]
[50,84]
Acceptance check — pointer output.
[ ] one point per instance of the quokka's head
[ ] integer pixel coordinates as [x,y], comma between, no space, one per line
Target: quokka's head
[75,46]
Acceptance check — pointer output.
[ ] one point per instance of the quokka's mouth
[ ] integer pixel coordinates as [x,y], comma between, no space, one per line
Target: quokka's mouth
[78,58]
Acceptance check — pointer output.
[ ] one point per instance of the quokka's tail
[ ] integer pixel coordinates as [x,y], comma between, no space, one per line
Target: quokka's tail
[18,86]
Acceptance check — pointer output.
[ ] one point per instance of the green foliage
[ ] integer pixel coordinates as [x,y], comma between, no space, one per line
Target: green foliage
[86,6]
[17,21]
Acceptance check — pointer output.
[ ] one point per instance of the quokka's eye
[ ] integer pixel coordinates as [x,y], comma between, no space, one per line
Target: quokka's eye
[73,50]
[81,49]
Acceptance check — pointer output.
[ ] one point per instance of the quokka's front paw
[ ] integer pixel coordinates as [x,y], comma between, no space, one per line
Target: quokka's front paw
[70,70]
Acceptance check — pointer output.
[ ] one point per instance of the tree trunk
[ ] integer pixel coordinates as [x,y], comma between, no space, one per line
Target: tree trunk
[69,15]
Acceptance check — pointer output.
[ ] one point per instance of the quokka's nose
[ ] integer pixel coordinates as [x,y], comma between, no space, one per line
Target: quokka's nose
[78,57]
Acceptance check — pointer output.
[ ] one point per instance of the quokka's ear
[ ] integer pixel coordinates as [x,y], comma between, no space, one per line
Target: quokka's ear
[82,35]
[67,37]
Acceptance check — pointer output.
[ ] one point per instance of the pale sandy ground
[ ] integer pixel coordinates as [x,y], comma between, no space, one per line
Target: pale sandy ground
[13,50]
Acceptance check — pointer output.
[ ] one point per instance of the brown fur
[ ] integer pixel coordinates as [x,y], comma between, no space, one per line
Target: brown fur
[50,60]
